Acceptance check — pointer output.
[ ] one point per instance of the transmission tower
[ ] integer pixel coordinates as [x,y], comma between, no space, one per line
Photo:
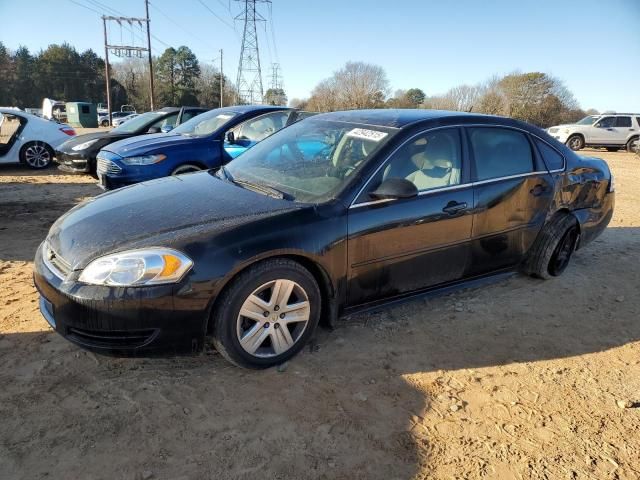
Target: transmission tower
[276,77]
[249,81]
[277,95]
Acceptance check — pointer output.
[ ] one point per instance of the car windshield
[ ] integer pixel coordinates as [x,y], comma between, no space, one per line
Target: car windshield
[204,124]
[589,120]
[133,124]
[310,161]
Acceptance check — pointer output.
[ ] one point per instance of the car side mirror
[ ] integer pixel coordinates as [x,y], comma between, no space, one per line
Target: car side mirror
[231,138]
[166,128]
[392,188]
[153,130]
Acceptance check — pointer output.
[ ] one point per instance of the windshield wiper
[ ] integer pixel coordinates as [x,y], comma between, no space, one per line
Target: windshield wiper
[257,187]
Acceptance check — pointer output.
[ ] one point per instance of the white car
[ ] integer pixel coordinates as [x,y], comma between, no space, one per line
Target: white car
[612,131]
[29,139]
[119,121]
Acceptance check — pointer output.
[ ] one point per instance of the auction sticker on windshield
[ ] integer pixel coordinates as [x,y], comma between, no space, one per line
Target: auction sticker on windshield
[367,134]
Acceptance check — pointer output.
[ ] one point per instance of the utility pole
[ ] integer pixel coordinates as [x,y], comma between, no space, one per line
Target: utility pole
[249,81]
[124,50]
[151,99]
[106,68]
[221,80]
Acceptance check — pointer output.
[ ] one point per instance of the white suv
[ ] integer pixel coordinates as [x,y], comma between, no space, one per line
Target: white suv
[611,130]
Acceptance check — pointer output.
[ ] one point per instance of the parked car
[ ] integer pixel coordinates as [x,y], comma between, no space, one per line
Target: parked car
[79,154]
[338,213]
[103,120]
[30,139]
[119,121]
[207,141]
[611,131]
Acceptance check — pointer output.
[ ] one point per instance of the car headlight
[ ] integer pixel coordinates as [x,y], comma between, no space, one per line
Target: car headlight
[144,159]
[84,145]
[149,266]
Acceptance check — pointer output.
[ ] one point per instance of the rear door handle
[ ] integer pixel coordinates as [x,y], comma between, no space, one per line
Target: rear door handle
[538,190]
[454,207]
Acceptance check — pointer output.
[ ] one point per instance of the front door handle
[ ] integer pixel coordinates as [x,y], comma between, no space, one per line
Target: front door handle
[454,207]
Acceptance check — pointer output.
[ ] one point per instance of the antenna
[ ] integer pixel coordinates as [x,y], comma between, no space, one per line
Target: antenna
[249,81]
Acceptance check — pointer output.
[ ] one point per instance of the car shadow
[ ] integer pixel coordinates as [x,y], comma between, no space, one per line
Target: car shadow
[363,401]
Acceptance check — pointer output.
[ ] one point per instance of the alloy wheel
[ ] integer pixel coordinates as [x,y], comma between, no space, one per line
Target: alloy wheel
[564,250]
[575,143]
[273,318]
[37,156]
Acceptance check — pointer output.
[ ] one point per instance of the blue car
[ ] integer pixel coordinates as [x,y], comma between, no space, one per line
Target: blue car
[206,141]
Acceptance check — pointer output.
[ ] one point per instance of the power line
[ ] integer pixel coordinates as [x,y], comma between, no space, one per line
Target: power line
[216,15]
[204,42]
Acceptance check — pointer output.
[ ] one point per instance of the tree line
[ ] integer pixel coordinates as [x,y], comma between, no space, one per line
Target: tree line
[533,97]
[62,73]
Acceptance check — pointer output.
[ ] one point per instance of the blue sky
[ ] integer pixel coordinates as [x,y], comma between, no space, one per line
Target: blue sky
[592,45]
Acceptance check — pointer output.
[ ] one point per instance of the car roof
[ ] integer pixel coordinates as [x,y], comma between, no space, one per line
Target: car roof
[252,108]
[399,118]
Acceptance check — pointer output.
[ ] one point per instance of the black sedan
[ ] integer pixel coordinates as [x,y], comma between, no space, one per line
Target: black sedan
[78,155]
[335,214]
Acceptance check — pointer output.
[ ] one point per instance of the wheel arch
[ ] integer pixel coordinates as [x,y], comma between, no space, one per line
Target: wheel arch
[580,219]
[196,163]
[328,308]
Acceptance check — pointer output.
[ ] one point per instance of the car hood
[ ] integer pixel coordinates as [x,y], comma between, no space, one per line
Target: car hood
[78,139]
[103,138]
[163,212]
[144,144]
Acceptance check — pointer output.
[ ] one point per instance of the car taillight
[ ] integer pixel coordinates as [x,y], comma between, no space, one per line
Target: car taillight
[68,130]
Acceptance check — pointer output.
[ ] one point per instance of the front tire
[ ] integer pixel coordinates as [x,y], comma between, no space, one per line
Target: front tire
[633,145]
[36,155]
[552,250]
[267,314]
[575,142]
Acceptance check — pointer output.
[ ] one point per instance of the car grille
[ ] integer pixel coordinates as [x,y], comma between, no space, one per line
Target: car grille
[553,130]
[112,338]
[54,262]
[107,166]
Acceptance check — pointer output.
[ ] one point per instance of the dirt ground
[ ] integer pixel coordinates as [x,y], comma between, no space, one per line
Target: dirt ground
[520,379]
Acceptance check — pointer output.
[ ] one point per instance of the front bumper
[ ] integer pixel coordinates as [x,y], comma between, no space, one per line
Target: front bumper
[560,135]
[113,173]
[120,320]
[73,162]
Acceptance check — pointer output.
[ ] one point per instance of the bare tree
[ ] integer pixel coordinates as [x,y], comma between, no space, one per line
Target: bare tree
[357,85]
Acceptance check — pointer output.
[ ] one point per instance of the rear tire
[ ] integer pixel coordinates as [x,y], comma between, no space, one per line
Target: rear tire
[551,251]
[36,155]
[575,142]
[104,123]
[633,145]
[273,333]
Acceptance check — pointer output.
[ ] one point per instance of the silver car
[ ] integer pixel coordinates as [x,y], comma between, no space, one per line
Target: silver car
[612,131]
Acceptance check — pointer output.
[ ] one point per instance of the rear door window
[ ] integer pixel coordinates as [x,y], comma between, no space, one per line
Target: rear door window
[551,157]
[500,152]
[624,122]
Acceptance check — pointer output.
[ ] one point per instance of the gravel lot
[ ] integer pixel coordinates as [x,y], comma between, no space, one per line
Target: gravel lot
[520,379]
